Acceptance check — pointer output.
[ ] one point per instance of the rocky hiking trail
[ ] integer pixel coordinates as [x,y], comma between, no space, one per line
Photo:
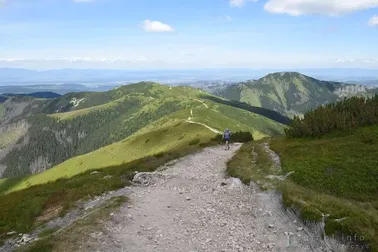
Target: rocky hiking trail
[190,205]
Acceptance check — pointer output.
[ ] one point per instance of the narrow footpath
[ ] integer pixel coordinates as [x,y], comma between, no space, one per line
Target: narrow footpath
[192,206]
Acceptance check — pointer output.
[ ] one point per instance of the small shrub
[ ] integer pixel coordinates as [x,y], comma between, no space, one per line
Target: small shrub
[194,141]
[308,213]
[242,137]
[217,138]
[157,155]
[332,227]
[367,138]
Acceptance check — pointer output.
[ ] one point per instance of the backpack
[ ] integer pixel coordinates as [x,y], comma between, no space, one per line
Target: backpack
[227,134]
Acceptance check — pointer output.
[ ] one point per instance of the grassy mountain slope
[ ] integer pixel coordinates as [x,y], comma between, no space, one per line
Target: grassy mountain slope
[166,134]
[164,139]
[328,159]
[335,175]
[95,120]
[290,93]
[28,209]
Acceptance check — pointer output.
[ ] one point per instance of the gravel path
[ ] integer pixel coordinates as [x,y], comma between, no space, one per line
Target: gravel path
[190,206]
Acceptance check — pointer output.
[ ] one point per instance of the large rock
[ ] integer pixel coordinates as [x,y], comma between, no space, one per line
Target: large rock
[25,238]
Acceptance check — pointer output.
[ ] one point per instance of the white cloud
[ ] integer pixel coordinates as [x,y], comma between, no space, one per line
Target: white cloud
[322,7]
[237,3]
[228,18]
[359,61]
[156,26]
[82,59]
[67,59]
[341,61]
[373,21]
[240,3]
[12,59]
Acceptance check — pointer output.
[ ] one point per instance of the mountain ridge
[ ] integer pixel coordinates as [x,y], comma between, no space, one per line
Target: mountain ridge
[53,131]
[290,93]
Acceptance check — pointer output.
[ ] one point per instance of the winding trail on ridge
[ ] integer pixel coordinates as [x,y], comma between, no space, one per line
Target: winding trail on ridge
[202,124]
[190,206]
[207,126]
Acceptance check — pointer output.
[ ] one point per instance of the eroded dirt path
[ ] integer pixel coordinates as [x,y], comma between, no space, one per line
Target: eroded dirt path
[190,206]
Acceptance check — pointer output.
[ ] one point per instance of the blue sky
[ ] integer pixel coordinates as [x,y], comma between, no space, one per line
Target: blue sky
[119,34]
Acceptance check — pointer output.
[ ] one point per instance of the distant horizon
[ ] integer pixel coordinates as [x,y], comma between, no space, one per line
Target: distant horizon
[24,76]
[192,69]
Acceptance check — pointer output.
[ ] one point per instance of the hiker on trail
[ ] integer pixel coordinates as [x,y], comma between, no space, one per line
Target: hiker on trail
[226,137]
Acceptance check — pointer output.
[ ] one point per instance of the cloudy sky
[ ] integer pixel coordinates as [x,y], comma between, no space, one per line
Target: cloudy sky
[119,34]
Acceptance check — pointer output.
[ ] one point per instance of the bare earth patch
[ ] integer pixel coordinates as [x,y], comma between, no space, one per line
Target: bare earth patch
[50,213]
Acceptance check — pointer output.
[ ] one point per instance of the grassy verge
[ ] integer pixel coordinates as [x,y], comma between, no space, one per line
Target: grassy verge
[71,238]
[335,175]
[252,162]
[24,210]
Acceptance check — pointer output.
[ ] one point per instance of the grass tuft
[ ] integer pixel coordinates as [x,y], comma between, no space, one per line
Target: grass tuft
[195,141]
[251,162]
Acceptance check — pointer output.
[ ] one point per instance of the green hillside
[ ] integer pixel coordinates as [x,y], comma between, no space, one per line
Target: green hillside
[291,93]
[94,120]
[166,134]
[335,175]
[330,158]
[169,136]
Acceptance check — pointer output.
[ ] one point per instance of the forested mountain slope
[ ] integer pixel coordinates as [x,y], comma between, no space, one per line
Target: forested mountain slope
[38,134]
[290,93]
